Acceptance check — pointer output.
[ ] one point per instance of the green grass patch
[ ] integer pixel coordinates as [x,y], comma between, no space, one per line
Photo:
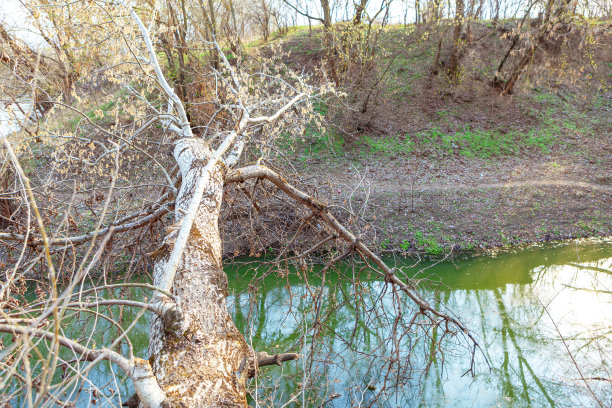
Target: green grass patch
[467,142]
[429,243]
[319,145]
[388,144]
[485,143]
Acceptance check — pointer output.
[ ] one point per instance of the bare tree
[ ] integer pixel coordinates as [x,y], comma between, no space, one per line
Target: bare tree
[359,10]
[557,13]
[264,15]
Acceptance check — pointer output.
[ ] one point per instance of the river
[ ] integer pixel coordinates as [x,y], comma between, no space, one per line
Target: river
[527,308]
[11,117]
[524,306]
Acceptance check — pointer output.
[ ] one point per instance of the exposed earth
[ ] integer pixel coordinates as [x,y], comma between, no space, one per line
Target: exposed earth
[431,165]
[438,205]
[439,169]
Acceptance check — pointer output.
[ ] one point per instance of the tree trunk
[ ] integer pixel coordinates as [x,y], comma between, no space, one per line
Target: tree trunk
[544,30]
[265,20]
[326,14]
[496,18]
[359,9]
[434,12]
[210,22]
[329,41]
[207,362]
[181,37]
[508,85]
[454,58]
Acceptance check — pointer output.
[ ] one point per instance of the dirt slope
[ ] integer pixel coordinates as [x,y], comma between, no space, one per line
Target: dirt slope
[436,166]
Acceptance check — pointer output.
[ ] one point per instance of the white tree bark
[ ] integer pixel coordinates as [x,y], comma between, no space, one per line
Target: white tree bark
[198,356]
[204,362]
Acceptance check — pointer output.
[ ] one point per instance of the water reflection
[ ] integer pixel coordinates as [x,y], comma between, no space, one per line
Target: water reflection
[527,308]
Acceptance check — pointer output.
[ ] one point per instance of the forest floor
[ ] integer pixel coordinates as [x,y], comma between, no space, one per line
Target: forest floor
[438,166]
[434,165]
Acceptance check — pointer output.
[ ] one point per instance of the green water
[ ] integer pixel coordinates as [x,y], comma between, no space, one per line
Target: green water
[526,308]
[512,301]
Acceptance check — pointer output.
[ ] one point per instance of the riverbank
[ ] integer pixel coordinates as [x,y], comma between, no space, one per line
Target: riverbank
[436,167]
[450,205]
[409,205]
[430,167]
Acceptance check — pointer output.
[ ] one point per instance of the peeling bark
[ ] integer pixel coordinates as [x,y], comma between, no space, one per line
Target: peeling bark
[204,362]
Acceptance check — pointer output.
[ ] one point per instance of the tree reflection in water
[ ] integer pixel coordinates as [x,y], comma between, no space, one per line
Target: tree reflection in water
[359,359]
[367,352]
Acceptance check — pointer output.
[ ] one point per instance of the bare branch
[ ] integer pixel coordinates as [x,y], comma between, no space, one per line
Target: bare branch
[321,210]
[186,128]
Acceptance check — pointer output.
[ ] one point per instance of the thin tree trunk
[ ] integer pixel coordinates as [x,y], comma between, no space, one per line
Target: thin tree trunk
[496,18]
[435,11]
[453,65]
[181,33]
[265,23]
[179,46]
[359,9]
[210,23]
[517,70]
[544,31]
[329,41]
[326,14]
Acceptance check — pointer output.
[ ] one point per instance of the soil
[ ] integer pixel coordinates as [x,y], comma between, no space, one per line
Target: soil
[436,206]
[437,202]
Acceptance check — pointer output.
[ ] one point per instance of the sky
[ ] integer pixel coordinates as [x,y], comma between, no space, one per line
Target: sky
[14,18]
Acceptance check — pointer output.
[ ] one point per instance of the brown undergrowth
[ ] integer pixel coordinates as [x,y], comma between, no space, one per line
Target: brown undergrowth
[437,165]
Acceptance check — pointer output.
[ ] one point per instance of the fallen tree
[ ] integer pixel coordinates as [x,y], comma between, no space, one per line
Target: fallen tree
[197,357]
